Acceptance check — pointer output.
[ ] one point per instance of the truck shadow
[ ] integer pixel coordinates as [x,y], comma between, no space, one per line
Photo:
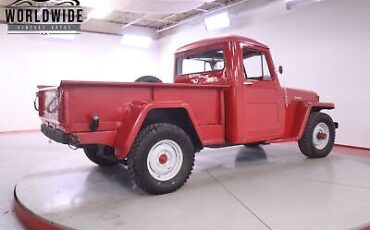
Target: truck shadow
[118,179]
[116,176]
[246,154]
[230,157]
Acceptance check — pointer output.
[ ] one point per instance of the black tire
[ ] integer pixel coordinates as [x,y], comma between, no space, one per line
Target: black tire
[148,79]
[101,155]
[137,161]
[306,143]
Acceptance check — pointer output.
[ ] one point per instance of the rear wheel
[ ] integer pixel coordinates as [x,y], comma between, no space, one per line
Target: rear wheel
[319,136]
[101,155]
[161,159]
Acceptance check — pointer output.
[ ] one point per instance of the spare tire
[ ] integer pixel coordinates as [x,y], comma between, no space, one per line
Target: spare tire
[148,79]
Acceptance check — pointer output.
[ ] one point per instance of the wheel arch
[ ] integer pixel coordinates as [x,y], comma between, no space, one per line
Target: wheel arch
[141,114]
[313,107]
[178,116]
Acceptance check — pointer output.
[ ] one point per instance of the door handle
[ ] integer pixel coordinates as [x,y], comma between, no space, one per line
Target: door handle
[248,83]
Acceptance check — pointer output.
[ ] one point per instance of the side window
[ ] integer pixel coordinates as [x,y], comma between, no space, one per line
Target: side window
[255,65]
[210,60]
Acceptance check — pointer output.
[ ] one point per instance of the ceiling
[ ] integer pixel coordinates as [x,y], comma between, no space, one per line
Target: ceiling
[146,16]
[161,15]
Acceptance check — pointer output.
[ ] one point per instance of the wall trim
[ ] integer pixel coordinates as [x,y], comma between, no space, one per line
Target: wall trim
[352,147]
[19,131]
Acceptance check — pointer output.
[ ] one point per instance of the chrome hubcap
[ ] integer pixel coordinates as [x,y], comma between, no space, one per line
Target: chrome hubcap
[164,160]
[321,136]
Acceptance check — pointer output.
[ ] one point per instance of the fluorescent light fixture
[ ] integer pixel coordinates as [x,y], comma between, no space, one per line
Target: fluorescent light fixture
[100,12]
[217,21]
[136,40]
[292,4]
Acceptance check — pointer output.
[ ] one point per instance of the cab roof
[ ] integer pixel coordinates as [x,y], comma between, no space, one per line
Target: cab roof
[217,40]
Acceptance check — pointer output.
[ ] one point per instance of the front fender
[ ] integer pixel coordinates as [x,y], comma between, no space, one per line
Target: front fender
[133,118]
[312,107]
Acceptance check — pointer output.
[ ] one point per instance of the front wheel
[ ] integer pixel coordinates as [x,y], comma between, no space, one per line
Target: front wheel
[319,136]
[161,158]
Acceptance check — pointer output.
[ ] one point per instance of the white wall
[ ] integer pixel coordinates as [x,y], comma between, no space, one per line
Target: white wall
[324,47]
[26,61]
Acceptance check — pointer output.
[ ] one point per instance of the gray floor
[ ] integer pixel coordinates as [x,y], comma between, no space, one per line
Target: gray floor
[19,154]
[273,187]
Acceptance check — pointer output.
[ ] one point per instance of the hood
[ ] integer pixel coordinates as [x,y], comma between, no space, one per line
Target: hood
[301,95]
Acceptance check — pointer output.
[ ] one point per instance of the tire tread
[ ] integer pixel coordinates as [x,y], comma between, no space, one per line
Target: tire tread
[137,176]
[305,143]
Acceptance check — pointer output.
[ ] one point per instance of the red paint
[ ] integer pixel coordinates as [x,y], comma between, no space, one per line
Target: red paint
[321,136]
[163,159]
[30,220]
[220,107]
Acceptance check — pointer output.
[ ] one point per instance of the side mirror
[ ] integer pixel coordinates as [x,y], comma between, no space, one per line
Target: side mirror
[280,69]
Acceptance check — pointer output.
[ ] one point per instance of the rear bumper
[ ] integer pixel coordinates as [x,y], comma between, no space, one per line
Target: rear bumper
[59,136]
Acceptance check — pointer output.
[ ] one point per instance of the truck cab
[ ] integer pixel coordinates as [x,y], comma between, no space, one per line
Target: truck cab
[257,108]
[226,91]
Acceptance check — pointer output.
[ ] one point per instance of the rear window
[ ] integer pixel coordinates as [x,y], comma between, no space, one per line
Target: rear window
[211,60]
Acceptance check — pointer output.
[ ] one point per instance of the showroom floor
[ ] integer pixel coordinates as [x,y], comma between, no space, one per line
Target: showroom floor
[273,187]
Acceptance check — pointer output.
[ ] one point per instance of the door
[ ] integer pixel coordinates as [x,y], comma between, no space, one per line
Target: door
[263,102]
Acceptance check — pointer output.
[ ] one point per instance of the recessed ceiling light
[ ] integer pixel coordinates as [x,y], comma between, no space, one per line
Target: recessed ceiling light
[136,40]
[217,21]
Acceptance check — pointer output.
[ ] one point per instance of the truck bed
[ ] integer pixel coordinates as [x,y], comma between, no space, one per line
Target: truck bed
[71,106]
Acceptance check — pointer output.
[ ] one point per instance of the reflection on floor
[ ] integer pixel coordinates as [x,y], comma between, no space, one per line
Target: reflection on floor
[269,187]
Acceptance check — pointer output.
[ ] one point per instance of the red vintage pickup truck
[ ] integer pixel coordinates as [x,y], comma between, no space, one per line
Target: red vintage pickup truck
[225,92]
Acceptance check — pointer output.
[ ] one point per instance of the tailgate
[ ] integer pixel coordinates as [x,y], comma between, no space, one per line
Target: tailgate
[50,102]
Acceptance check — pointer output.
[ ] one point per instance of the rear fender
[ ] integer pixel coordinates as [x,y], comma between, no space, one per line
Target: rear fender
[134,116]
[312,107]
